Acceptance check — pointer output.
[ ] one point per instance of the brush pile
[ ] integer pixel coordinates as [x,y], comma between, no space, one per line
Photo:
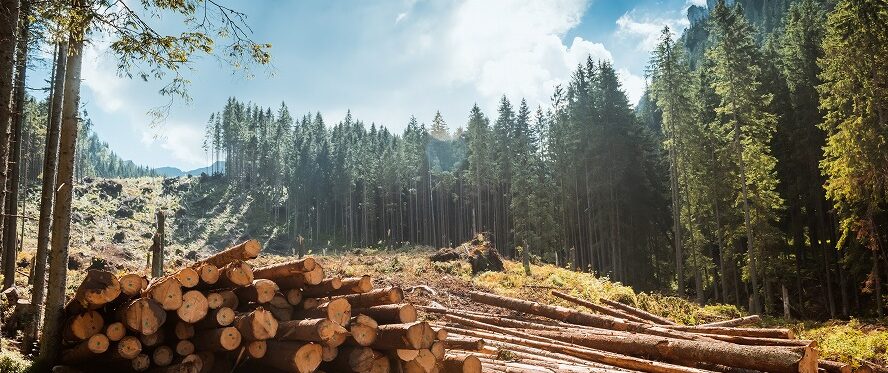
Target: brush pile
[220,314]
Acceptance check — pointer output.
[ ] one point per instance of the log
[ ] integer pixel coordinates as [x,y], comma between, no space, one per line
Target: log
[466,344]
[740,321]
[461,364]
[438,349]
[337,310]
[294,296]
[406,355]
[194,306]
[381,364]
[234,274]
[617,360]
[85,350]
[216,318]
[188,277]
[115,331]
[389,295]
[257,349]
[638,312]
[292,356]
[329,353]
[132,284]
[286,269]
[580,318]
[389,313]
[766,359]
[214,300]
[320,330]
[151,340]
[412,336]
[597,308]
[324,289]
[352,359]
[188,364]
[183,330]
[740,332]
[229,299]
[83,326]
[257,325]
[426,360]
[162,356]
[217,340]
[834,366]
[141,363]
[244,251]
[97,289]
[142,315]
[167,291]
[259,291]
[363,330]
[208,273]
[184,348]
[280,307]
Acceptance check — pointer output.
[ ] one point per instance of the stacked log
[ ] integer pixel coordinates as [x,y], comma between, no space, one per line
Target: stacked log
[221,314]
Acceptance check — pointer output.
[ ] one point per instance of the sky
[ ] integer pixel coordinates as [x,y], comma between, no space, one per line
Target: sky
[384,60]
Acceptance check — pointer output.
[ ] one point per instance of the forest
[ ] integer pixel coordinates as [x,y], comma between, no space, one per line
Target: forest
[751,172]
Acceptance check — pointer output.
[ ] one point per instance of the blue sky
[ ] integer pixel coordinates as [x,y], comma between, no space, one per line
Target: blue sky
[383,60]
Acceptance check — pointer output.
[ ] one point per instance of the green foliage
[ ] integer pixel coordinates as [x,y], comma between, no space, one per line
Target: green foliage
[12,361]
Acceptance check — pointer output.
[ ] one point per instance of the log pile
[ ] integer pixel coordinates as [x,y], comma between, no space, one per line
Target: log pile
[222,314]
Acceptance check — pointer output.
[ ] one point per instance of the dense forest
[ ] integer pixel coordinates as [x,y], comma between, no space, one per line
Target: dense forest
[752,171]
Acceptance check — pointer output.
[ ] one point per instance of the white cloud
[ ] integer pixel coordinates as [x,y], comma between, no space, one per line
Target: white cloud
[646,30]
[633,85]
[183,141]
[400,17]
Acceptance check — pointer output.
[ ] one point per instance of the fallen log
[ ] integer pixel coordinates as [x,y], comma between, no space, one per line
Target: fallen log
[461,364]
[132,284]
[216,318]
[166,291]
[188,277]
[363,330]
[740,321]
[597,308]
[244,251]
[257,349]
[286,269]
[293,356]
[234,274]
[740,332]
[638,312]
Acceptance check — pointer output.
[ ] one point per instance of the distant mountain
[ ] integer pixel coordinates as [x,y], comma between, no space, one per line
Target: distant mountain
[219,166]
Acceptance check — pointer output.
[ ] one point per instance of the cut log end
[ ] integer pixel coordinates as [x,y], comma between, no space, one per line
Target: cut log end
[194,306]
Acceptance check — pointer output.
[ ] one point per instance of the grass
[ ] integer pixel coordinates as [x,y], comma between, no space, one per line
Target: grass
[11,360]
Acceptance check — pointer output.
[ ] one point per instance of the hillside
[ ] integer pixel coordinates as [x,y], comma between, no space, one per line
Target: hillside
[114,220]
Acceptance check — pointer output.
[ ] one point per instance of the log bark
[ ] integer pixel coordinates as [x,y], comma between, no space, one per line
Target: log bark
[322,331]
[638,312]
[389,313]
[280,307]
[324,289]
[378,297]
[467,344]
[257,325]
[217,340]
[183,330]
[741,332]
[152,340]
[293,356]
[244,251]
[352,359]
[286,269]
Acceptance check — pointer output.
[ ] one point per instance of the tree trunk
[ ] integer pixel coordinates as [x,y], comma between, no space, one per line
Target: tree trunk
[158,246]
[58,260]
[17,122]
[9,12]
[50,162]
